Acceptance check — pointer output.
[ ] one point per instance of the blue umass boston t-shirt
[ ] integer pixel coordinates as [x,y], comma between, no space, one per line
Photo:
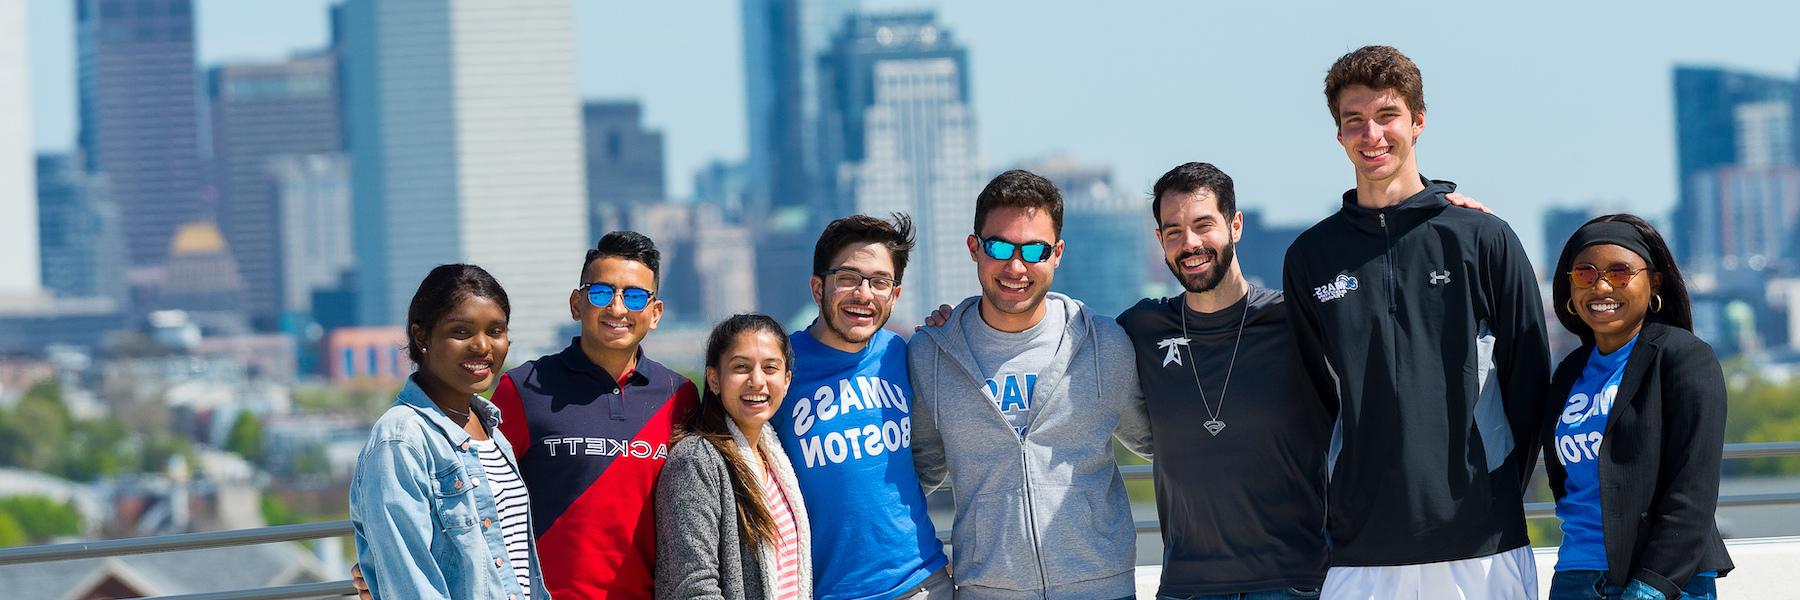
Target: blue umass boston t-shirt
[846,424]
[1579,431]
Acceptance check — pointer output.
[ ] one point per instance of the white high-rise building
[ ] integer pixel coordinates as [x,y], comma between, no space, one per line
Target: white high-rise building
[897,89]
[18,164]
[465,137]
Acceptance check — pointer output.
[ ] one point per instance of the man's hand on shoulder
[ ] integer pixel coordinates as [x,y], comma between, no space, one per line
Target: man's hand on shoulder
[1466,202]
[937,318]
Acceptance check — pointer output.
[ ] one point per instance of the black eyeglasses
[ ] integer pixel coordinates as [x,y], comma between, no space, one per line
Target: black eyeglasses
[1031,252]
[601,295]
[1618,275]
[845,279]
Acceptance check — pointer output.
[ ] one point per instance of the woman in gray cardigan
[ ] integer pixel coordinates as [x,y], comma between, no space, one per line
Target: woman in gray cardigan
[730,523]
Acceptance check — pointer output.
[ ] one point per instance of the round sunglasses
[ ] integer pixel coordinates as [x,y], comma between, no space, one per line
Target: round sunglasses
[601,295]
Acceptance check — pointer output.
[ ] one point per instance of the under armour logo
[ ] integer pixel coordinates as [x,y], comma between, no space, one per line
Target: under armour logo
[1173,346]
[1440,277]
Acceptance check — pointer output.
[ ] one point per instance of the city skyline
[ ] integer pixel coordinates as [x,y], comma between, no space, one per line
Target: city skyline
[1596,79]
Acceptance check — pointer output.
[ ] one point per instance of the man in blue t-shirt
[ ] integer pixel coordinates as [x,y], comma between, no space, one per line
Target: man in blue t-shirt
[847,424]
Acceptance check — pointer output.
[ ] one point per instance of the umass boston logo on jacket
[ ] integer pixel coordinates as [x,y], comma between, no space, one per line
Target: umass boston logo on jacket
[1338,288]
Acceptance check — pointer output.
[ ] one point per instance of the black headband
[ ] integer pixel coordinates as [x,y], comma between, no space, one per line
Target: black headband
[1617,233]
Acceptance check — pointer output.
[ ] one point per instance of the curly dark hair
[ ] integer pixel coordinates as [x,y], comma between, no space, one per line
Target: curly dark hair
[895,234]
[1380,68]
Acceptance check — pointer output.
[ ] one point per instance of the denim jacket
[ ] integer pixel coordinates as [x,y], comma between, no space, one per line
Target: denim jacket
[426,525]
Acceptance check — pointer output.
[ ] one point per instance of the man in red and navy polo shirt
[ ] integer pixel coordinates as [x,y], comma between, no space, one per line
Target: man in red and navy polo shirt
[591,427]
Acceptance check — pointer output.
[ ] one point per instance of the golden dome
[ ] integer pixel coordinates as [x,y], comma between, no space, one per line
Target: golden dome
[199,237]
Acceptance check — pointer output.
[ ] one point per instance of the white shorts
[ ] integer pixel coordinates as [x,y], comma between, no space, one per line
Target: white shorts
[1509,575]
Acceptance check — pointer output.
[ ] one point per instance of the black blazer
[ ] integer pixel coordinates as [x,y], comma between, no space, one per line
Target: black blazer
[1659,461]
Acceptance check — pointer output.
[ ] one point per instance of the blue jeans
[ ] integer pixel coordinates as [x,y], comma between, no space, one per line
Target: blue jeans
[1592,585]
[1284,594]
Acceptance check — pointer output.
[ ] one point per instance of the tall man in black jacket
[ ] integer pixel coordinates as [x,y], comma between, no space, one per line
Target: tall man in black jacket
[1423,326]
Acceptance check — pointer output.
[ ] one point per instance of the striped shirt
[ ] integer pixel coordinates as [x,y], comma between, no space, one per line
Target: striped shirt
[787,547]
[512,505]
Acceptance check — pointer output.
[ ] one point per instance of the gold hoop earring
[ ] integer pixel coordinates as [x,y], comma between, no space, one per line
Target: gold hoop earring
[1656,303]
[1570,306]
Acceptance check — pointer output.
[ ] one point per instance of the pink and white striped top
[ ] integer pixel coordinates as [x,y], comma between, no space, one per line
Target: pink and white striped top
[787,546]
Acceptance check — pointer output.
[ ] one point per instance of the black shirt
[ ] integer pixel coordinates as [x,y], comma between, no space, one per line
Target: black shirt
[1242,510]
[1423,323]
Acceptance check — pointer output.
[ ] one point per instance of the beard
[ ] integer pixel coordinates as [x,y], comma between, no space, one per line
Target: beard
[1205,282]
[845,331]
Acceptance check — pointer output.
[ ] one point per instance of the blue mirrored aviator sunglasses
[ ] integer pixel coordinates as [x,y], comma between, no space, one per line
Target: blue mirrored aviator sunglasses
[601,295]
[997,249]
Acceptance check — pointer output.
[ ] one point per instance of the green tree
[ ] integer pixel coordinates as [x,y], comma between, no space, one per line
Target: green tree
[11,534]
[40,518]
[246,437]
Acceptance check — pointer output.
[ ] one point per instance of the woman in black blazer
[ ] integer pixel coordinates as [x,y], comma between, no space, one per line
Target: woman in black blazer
[1636,510]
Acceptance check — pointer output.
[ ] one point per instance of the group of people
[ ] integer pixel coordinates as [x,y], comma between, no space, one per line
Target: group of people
[1396,393]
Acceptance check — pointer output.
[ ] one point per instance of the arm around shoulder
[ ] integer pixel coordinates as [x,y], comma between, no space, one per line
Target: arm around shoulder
[927,442]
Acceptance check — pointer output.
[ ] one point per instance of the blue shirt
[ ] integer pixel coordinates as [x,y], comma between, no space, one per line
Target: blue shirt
[846,424]
[1579,431]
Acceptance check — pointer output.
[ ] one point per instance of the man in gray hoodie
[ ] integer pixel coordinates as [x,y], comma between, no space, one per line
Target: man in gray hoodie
[1016,398]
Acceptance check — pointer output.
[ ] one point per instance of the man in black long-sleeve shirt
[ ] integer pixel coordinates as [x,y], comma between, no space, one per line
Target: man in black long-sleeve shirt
[1424,327]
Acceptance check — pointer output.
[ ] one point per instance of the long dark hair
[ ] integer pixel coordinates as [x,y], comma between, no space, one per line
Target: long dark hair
[709,422]
[443,288]
[1676,309]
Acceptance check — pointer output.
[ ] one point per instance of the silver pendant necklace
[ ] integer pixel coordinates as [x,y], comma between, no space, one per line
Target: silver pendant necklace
[1213,424]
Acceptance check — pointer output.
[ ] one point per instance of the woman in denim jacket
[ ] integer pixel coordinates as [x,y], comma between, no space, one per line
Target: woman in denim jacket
[436,500]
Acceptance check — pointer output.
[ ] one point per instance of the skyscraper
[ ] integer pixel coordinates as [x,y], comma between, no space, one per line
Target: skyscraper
[624,162]
[783,40]
[79,243]
[465,138]
[900,135]
[18,231]
[1722,118]
[139,115]
[259,112]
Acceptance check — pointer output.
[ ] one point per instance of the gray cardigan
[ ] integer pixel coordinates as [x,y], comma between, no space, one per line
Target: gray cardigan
[701,552]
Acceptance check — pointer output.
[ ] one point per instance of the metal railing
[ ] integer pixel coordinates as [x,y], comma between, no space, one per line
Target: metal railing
[329,529]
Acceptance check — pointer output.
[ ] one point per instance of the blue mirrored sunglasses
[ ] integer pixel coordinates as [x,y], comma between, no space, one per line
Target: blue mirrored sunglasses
[601,295]
[997,249]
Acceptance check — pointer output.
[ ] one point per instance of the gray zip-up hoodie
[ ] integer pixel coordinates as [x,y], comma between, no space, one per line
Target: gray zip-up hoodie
[1045,516]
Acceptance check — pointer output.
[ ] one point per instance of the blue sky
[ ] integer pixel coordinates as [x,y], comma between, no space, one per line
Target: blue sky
[1532,104]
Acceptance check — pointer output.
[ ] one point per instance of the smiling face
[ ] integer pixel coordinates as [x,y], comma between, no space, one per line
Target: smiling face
[853,314]
[1012,290]
[1199,244]
[1377,131]
[1614,313]
[613,327]
[751,378]
[465,350]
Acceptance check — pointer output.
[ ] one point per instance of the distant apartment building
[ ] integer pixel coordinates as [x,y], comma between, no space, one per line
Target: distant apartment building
[466,146]
[367,356]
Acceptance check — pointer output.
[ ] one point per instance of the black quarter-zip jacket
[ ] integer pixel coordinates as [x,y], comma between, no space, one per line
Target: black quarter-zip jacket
[1422,323]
